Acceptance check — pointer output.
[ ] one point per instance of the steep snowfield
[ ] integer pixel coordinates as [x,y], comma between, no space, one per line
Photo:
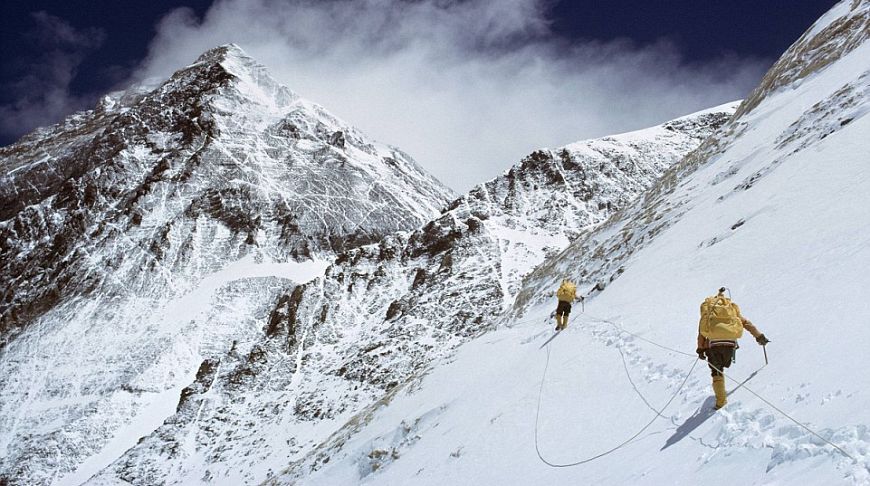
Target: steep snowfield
[774,206]
[382,313]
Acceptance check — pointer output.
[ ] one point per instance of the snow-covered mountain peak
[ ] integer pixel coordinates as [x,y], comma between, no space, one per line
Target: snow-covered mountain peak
[230,65]
[147,236]
[227,53]
[220,139]
[221,67]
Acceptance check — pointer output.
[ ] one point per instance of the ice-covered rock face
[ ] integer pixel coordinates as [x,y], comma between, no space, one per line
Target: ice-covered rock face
[384,313]
[220,142]
[141,238]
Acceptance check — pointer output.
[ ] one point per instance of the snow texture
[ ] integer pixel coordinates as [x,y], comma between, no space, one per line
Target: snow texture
[198,295]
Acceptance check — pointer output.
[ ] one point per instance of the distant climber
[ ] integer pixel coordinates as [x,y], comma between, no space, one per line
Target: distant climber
[720,327]
[566,294]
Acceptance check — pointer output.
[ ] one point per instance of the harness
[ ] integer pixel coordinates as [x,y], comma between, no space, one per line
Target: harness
[723,342]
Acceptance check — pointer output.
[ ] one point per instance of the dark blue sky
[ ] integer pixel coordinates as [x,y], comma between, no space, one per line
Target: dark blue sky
[111,37]
[702,29]
[128,27]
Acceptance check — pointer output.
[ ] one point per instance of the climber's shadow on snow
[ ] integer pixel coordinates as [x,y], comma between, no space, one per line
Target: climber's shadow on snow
[740,385]
[706,411]
[548,340]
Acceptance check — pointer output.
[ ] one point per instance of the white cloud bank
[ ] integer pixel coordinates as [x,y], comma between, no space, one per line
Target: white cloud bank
[467,88]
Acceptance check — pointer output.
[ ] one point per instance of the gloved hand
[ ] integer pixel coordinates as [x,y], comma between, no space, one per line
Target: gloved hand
[762,340]
[701,353]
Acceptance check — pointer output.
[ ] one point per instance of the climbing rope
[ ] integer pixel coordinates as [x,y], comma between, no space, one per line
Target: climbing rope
[803,426]
[619,446]
[633,385]
[741,384]
[638,336]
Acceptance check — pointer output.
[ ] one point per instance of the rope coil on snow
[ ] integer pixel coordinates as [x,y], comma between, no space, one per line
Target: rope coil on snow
[805,427]
[659,412]
[619,446]
[740,385]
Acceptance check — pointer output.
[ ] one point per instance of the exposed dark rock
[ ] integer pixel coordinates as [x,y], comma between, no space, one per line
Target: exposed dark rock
[205,376]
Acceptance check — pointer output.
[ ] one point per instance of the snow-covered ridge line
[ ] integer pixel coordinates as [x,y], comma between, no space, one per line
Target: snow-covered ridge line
[636,225]
[836,34]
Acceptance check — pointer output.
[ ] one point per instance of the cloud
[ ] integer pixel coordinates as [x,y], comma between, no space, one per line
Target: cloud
[466,87]
[41,94]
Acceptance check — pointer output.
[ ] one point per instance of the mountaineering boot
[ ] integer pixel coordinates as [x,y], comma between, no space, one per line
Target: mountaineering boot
[558,322]
[719,390]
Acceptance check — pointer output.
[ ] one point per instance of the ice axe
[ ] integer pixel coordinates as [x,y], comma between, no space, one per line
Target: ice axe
[764,342]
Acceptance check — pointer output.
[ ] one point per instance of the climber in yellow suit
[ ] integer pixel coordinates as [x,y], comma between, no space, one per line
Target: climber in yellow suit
[720,327]
[566,294]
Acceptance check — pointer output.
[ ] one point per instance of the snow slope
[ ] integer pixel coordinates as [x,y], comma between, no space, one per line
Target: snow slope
[774,206]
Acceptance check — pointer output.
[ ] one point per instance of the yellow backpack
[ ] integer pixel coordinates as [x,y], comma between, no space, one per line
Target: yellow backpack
[567,291]
[720,319]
